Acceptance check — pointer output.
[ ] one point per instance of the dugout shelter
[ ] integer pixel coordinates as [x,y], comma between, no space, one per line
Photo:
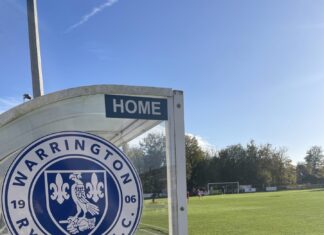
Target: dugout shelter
[88,109]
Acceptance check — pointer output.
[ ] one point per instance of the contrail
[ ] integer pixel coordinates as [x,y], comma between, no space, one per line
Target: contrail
[94,11]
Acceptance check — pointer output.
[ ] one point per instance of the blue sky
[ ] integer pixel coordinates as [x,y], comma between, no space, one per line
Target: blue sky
[249,69]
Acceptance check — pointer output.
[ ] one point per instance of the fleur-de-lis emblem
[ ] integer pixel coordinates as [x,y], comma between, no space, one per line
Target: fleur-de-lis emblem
[59,189]
[95,188]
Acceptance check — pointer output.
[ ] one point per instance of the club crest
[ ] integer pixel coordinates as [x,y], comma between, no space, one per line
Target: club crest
[85,192]
[72,183]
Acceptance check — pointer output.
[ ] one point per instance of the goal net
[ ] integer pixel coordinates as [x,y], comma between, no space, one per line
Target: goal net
[223,188]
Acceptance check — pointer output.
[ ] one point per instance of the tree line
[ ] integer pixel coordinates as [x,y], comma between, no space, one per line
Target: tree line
[250,164]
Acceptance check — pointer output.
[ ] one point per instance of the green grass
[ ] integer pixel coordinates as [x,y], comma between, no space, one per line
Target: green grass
[154,218]
[284,213]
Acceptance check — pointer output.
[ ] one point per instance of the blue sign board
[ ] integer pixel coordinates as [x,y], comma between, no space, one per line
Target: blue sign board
[135,107]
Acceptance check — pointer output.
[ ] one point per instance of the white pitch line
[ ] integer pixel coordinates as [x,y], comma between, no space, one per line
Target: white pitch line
[147,231]
[153,226]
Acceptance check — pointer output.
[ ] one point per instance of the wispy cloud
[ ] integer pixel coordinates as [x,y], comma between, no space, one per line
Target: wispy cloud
[8,103]
[160,129]
[203,143]
[94,12]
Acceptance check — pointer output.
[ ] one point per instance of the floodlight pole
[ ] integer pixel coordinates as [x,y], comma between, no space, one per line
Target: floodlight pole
[34,46]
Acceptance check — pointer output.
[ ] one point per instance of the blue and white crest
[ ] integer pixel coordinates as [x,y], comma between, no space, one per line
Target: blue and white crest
[85,192]
[72,183]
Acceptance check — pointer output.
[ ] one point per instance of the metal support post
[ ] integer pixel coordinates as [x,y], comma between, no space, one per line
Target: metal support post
[34,45]
[177,184]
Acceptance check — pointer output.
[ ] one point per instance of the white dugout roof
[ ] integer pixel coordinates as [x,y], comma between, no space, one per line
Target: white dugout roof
[83,109]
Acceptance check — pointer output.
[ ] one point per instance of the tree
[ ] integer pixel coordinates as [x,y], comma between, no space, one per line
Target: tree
[314,159]
[302,173]
[312,171]
[153,147]
[154,150]
[149,159]
[257,165]
[194,156]
[136,154]
[232,163]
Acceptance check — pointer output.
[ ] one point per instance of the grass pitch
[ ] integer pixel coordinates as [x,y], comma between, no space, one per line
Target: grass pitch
[284,213]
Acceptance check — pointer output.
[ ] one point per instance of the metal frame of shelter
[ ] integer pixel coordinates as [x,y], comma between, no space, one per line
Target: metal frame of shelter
[60,111]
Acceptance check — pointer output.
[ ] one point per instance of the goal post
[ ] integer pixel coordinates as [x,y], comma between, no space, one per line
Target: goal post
[223,188]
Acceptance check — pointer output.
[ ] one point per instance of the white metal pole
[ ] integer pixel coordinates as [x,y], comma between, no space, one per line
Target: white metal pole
[34,45]
[177,185]
[180,158]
